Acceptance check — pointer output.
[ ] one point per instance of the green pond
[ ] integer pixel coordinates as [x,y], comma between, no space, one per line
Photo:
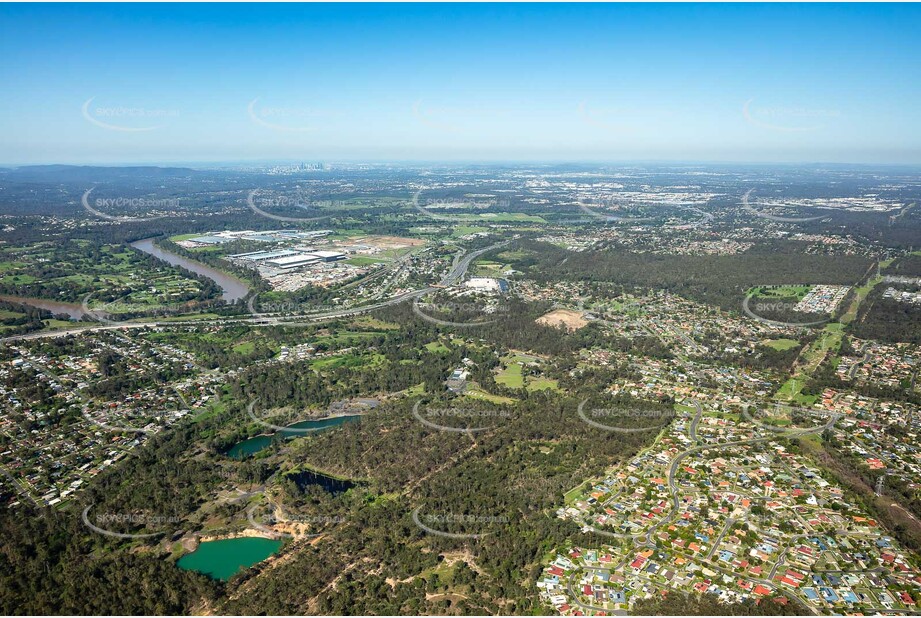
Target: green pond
[253,445]
[225,558]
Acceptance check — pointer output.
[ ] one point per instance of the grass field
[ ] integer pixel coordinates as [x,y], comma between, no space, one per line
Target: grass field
[415,391]
[781,344]
[70,270]
[512,256]
[392,254]
[790,391]
[492,217]
[861,294]
[484,268]
[362,260]
[348,360]
[57,324]
[375,324]
[347,234]
[512,376]
[829,341]
[18,279]
[6,266]
[781,291]
[463,230]
[537,384]
[475,392]
[347,337]
[573,494]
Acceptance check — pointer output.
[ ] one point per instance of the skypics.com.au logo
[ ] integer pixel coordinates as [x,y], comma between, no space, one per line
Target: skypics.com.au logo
[757,307]
[120,312]
[787,119]
[442,523]
[433,207]
[457,419]
[307,526]
[286,118]
[600,210]
[126,119]
[107,520]
[286,308]
[286,430]
[481,312]
[622,420]
[746,204]
[297,200]
[146,205]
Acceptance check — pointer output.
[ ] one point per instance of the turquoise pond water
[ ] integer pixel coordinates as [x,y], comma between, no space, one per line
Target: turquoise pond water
[253,445]
[225,558]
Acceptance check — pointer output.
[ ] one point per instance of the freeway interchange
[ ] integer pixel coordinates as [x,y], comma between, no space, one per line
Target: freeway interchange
[459,268]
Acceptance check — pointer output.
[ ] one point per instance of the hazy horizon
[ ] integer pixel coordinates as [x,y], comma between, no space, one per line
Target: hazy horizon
[233,163]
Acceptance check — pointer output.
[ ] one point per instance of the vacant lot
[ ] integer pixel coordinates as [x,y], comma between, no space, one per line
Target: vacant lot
[563,318]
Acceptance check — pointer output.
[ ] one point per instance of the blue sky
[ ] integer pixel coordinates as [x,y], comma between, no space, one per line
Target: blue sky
[204,83]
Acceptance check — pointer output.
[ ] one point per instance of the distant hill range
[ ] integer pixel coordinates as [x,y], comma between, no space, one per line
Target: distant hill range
[93,173]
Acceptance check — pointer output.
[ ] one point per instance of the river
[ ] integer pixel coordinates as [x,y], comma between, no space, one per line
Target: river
[234,289]
[74,310]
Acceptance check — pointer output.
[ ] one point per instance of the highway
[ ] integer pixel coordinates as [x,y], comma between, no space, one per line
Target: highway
[458,270]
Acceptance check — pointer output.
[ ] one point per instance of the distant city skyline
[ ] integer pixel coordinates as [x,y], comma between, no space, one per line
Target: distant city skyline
[210,83]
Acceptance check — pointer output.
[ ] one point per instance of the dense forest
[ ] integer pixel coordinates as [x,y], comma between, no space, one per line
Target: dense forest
[512,475]
[886,319]
[51,564]
[720,280]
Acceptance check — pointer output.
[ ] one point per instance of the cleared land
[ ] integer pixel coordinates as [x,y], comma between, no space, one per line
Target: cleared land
[563,318]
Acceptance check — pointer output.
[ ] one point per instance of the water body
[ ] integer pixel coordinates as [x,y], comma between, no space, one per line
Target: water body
[234,289]
[320,424]
[225,558]
[332,485]
[253,445]
[249,447]
[74,310]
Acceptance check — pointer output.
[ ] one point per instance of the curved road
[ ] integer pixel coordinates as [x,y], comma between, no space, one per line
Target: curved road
[673,470]
[574,596]
[457,271]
